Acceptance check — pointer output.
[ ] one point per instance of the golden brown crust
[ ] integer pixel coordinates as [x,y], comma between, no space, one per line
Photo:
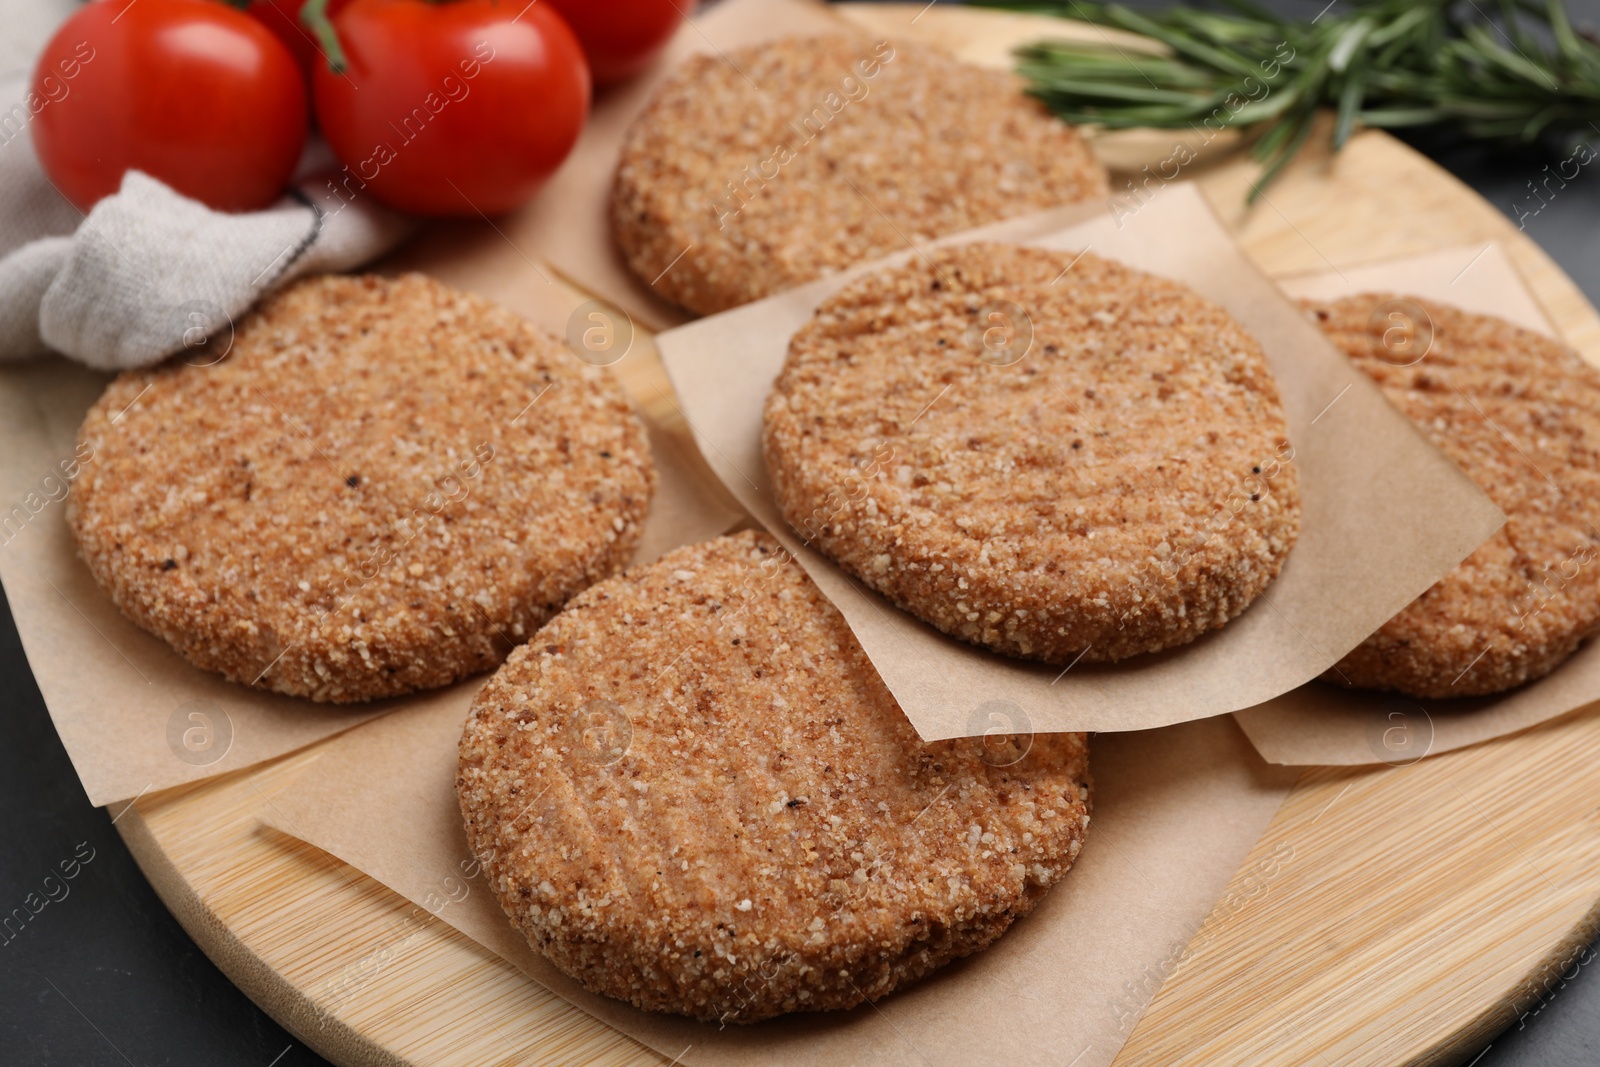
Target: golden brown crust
[757,171]
[1122,487]
[1519,413]
[692,791]
[354,503]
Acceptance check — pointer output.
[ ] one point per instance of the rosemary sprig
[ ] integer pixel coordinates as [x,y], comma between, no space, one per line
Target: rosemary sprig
[1521,75]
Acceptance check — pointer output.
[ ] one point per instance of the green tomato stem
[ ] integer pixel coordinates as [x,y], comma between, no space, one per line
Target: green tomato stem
[314,17]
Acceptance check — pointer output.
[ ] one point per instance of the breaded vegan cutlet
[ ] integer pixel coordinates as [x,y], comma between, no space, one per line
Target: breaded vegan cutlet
[769,166]
[1051,455]
[1519,413]
[384,486]
[692,791]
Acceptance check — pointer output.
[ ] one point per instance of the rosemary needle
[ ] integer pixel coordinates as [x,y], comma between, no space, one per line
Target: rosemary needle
[1496,70]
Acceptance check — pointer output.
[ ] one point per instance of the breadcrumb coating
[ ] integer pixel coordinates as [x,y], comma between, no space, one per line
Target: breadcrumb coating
[1114,479]
[769,166]
[384,486]
[1519,413]
[691,791]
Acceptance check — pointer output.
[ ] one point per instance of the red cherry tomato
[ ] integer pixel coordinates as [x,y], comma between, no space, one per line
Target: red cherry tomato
[282,17]
[452,109]
[621,37]
[191,92]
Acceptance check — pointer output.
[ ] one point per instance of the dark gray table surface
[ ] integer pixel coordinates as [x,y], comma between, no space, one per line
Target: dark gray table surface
[106,976]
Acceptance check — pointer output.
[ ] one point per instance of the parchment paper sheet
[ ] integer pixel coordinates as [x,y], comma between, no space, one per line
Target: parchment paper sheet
[1326,724]
[134,715]
[1175,812]
[1385,514]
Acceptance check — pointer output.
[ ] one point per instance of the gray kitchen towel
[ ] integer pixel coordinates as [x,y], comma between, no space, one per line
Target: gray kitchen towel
[148,272]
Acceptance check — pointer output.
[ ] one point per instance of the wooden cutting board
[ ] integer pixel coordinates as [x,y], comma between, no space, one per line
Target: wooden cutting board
[1426,907]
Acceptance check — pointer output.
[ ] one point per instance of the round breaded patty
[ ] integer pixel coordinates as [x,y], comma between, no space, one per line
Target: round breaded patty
[1049,455]
[756,170]
[691,791]
[383,487]
[1519,413]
